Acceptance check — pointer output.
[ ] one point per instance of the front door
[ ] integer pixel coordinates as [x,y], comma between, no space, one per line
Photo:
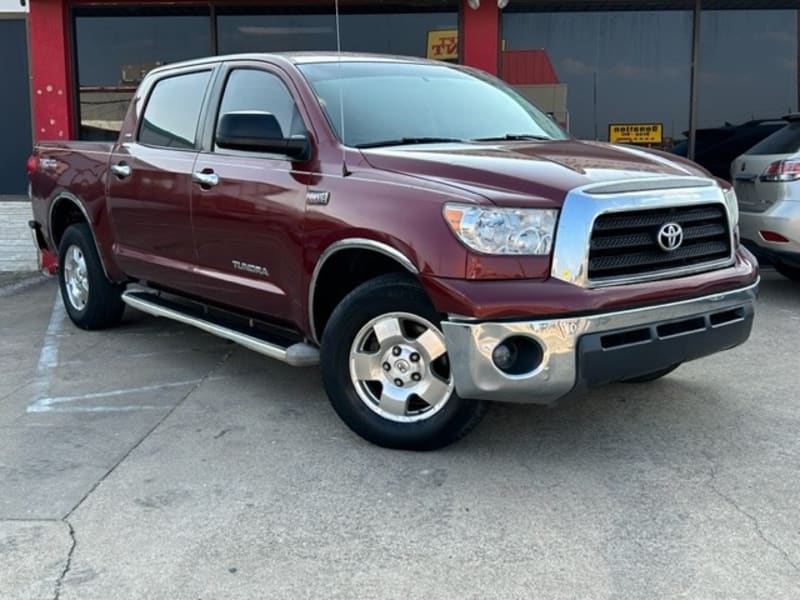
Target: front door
[150,184]
[248,214]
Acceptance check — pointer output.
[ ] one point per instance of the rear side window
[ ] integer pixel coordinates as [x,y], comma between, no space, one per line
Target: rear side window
[783,141]
[173,110]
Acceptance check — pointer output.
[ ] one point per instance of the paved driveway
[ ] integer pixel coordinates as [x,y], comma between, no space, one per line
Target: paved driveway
[155,461]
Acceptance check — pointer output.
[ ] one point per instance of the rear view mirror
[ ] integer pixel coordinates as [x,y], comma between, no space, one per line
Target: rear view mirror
[257,131]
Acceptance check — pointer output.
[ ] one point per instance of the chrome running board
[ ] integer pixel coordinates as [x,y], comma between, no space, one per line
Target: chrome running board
[296,355]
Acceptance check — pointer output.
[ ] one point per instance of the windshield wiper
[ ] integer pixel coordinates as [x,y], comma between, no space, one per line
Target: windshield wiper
[407,141]
[513,136]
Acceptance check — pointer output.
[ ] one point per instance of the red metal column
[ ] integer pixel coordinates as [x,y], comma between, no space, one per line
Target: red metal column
[480,35]
[49,51]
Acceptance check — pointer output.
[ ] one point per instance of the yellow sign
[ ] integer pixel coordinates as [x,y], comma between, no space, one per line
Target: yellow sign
[443,44]
[635,133]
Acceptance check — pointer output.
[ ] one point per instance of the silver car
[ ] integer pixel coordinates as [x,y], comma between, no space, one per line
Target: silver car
[767,183]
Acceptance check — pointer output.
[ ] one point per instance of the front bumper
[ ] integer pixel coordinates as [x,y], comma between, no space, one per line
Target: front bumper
[585,351]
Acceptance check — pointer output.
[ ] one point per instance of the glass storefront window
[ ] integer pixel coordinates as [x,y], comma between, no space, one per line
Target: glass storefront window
[116,46]
[618,66]
[388,33]
[748,66]
[115,51]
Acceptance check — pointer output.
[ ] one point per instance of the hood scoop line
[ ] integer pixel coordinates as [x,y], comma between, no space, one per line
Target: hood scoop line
[651,183]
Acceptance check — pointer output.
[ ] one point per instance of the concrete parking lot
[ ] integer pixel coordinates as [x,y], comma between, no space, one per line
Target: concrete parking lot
[155,461]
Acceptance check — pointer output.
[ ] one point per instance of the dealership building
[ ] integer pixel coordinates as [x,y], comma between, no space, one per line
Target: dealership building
[71,66]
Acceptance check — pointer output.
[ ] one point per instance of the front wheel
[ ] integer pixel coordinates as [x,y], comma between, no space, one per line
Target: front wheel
[386,371]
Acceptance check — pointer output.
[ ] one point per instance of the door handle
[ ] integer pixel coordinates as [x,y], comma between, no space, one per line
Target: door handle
[205,179]
[121,170]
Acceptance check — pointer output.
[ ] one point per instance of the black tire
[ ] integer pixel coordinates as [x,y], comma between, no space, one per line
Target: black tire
[648,377]
[393,293]
[102,306]
[788,271]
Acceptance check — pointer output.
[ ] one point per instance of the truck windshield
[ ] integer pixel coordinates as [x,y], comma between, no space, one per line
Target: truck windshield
[387,103]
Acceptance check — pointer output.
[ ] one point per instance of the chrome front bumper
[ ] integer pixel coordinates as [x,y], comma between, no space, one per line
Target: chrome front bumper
[583,351]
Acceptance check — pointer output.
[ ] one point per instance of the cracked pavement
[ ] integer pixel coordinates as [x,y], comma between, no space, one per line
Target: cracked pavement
[156,461]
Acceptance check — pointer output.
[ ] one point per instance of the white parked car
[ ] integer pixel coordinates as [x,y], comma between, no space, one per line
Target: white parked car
[767,183]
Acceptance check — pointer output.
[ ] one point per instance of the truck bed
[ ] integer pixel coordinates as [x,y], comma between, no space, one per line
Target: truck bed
[69,168]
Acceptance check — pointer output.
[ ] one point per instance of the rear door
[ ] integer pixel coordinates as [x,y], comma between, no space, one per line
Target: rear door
[248,223]
[150,182]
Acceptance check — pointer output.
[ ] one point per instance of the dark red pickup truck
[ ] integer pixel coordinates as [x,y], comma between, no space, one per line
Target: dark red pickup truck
[419,229]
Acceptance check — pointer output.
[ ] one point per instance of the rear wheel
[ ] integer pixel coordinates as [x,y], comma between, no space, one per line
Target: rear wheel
[91,300]
[386,370]
[789,271]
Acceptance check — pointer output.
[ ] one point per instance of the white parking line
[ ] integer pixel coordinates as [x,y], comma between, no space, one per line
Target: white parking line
[47,404]
[48,362]
[48,356]
[94,409]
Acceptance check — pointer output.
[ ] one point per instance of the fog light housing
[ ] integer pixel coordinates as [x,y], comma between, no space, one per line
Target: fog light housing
[504,355]
[518,355]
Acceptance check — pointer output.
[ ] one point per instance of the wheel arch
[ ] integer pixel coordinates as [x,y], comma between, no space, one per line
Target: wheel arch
[363,259]
[66,210]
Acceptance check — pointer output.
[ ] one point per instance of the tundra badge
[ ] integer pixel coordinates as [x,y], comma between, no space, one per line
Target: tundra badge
[256,269]
[317,197]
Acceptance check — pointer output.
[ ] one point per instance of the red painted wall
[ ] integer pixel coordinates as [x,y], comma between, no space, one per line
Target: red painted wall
[480,35]
[527,66]
[50,81]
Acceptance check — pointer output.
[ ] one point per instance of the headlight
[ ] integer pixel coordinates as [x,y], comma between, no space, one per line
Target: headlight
[503,230]
[733,206]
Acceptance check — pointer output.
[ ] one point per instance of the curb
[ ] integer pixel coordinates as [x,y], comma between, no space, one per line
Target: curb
[22,282]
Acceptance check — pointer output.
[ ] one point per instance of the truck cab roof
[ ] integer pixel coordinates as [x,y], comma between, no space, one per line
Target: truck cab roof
[299,58]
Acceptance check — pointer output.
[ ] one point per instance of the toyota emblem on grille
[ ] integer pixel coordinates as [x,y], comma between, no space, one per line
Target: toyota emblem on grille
[670,237]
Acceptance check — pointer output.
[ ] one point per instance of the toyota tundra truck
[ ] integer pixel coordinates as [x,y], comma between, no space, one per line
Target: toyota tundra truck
[418,229]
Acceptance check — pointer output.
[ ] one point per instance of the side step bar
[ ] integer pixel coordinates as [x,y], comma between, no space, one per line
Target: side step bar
[296,355]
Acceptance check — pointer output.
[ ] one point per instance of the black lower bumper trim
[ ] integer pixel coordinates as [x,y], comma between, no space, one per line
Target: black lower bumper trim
[613,356]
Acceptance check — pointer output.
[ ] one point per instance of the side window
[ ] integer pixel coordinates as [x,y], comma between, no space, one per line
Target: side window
[253,90]
[173,110]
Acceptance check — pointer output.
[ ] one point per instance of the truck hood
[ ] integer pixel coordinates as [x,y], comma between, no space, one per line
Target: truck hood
[527,173]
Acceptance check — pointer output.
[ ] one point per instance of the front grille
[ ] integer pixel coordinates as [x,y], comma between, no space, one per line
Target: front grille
[626,244]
